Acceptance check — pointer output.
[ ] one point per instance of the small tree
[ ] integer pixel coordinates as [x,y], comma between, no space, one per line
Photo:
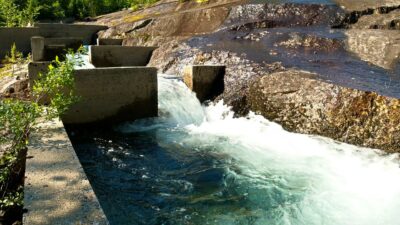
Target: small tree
[14,15]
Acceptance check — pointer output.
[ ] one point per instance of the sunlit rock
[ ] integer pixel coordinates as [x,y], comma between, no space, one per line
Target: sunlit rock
[303,104]
[379,47]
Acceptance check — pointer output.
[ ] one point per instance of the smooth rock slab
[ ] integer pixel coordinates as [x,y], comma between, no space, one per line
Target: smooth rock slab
[359,5]
[379,47]
[300,103]
[57,190]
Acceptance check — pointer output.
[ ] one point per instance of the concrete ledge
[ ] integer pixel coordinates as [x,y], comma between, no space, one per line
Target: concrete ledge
[114,95]
[86,32]
[106,41]
[206,81]
[118,56]
[57,190]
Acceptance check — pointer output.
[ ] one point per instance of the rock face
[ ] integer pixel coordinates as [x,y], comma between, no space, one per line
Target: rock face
[303,104]
[314,68]
[379,47]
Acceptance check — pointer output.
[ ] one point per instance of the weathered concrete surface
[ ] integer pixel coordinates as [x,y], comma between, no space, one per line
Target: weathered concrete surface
[379,47]
[109,41]
[37,46]
[86,32]
[300,103]
[119,56]
[206,81]
[114,95]
[20,36]
[34,69]
[57,190]
[46,49]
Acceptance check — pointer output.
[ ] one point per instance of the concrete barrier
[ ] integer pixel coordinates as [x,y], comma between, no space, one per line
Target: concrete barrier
[46,49]
[106,41]
[117,56]
[206,81]
[37,45]
[86,32]
[20,36]
[114,95]
[34,68]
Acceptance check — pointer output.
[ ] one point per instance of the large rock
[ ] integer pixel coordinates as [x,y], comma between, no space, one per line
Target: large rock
[379,47]
[360,5]
[303,104]
[389,20]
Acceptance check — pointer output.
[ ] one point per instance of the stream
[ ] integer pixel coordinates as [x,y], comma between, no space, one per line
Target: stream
[198,164]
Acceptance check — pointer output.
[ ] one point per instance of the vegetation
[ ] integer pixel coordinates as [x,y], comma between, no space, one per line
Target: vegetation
[21,13]
[14,13]
[19,117]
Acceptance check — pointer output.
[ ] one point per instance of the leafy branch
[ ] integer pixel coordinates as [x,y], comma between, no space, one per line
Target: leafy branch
[18,118]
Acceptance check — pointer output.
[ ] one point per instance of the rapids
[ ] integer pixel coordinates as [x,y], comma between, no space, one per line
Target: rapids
[198,164]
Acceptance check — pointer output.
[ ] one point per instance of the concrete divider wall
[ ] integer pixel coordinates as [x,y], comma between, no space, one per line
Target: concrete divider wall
[107,41]
[34,68]
[116,56]
[22,36]
[86,32]
[114,95]
[46,49]
[206,81]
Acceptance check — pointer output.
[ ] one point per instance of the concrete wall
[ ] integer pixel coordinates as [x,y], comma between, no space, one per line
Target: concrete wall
[206,81]
[46,49]
[114,95]
[22,36]
[34,68]
[86,32]
[116,56]
[106,41]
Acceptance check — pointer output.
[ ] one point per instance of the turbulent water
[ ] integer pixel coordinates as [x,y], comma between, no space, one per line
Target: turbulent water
[200,165]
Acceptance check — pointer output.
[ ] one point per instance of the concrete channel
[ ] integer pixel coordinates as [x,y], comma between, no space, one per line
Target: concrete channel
[119,88]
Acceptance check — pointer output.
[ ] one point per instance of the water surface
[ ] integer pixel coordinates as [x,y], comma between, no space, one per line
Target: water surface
[199,165]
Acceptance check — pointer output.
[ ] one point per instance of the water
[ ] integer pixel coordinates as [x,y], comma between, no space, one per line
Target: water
[199,165]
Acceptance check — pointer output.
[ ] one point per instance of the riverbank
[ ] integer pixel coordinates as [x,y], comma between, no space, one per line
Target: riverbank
[333,42]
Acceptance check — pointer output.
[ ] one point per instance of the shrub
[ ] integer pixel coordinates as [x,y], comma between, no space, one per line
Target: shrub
[18,118]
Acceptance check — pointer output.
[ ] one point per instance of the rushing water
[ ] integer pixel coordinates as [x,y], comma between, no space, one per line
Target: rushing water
[199,165]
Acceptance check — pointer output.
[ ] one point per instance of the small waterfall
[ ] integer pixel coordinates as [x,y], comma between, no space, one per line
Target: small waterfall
[178,103]
[269,175]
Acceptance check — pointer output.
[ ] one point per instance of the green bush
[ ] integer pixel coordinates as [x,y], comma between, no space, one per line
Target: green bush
[18,118]
[14,13]
[17,15]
